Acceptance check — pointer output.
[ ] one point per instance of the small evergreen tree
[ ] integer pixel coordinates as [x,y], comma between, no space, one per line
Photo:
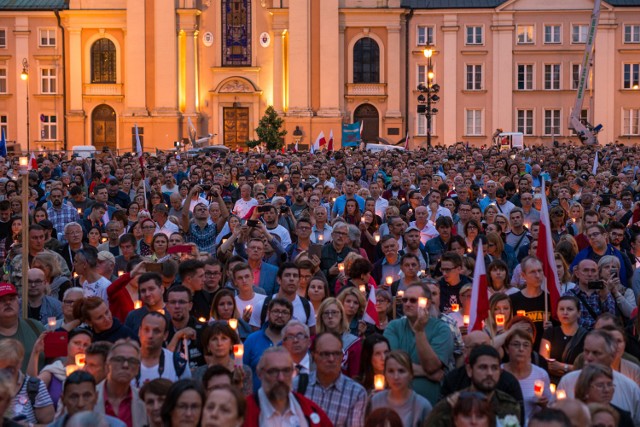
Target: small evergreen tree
[269,131]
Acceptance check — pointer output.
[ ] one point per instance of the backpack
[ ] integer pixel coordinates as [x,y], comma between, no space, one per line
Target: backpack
[263,314]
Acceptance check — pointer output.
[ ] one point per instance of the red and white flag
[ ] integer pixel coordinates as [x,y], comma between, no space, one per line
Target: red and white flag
[406,141]
[370,313]
[479,310]
[33,163]
[139,151]
[320,140]
[545,255]
[330,146]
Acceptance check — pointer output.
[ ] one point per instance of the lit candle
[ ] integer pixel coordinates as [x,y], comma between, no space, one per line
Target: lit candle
[161,311]
[320,237]
[51,321]
[75,274]
[224,241]
[400,295]
[334,199]
[500,319]
[233,323]
[341,267]
[422,302]
[103,240]
[202,319]
[552,388]
[137,304]
[70,369]
[561,394]
[376,237]
[522,313]
[248,308]
[80,360]
[455,307]
[547,347]
[378,382]
[465,319]
[120,273]
[79,211]
[389,280]
[538,388]
[238,351]
[362,288]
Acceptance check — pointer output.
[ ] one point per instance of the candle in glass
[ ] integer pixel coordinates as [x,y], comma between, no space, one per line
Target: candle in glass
[378,382]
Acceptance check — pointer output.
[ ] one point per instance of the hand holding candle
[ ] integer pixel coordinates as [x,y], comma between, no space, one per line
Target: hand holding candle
[378,382]
[362,288]
[238,352]
[465,320]
[51,322]
[500,319]
[341,267]
[80,360]
[137,304]
[422,302]
[538,388]
[233,323]
[389,280]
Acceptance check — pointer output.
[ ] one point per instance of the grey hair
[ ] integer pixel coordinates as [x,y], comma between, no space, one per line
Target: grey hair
[274,350]
[277,200]
[354,233]
[71,290]
[610,343]
[607,259]
[87,419]
[293,323]
[71,224]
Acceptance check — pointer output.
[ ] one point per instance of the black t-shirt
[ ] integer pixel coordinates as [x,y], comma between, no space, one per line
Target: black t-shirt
[535,312]
[451,294]
[34,313]
[558,341]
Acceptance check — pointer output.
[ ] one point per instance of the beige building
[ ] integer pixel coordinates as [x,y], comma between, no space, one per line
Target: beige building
[97,68]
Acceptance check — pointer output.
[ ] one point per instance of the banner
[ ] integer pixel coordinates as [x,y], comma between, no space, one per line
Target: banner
[351,135]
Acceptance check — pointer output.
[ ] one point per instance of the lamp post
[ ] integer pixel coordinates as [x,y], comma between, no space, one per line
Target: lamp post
[25,77]
[24,175]
[431,90]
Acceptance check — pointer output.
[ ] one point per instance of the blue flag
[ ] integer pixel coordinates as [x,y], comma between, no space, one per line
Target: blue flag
[3,145]
[351,135]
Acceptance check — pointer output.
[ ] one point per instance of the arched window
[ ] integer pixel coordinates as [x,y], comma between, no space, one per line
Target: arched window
[103,61]
[366,61]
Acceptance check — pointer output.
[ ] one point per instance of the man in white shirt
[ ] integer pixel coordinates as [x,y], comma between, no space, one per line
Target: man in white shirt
[161,217]
[94,285]
[245,202]
[381,204]
[427,228]
[271,221]
[246,298]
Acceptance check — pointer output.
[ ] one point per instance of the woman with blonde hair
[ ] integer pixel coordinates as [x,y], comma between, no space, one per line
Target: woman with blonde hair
[496,250]
[354,304]
[332,318]
[609,272]
[48,263]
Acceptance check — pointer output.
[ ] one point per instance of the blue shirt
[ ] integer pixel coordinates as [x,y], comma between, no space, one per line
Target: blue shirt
[255,344]
[588,253]
[338,206]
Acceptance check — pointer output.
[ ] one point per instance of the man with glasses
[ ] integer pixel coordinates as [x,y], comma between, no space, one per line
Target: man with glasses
[342,399]
[116,396]
[335,253]
[599,247]
[114,230]
[452,280]
[41,307]
[304,243]
[593,302]
[296,339]
[426,339]
[530,213]
[279,312]
[275,403]
[184,329]
[73,235]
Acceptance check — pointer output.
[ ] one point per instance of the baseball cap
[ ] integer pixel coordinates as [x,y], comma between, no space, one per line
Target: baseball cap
[106,256]
[7,289]
[412,228]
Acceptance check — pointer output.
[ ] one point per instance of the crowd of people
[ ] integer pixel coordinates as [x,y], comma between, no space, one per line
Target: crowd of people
[238,289]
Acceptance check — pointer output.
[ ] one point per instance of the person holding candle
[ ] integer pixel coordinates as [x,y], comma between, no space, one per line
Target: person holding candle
[357,271]
[500,314]
[519,345]
[451,319]
[375,348]
[369,226]
[224,309]
[398,374]
[389,263]
[354,303]
[151,293]
[452,280]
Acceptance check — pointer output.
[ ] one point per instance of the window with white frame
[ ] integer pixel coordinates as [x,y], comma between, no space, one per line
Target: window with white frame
[4,124]
[48,80]
[579,33]
[47,37]
[474,77]
[3,37]
[631,76]
[631,125]
[48,127]
[525,77]
[474,35]
[575,75]
[422,74]
[525,34]
[473,123]
[552,76]
[552,122]
[421,125]
[3,80]
[632,33]
[525,122]
[553,34]
[584,119]
[425,35]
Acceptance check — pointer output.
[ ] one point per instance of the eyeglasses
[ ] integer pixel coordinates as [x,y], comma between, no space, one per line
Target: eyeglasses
[329,354]
[282,313]
[594,235]
[603,386]
[69,301]
[447,270]
[275,372]
[340,233]
[412,300]
[36,282]
[214,273]
[297,337]
[332,313]
[120,360]
[178,302]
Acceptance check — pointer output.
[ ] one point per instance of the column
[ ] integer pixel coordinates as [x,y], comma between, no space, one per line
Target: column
[329,59]
[21,34]
[394,79]
[278,70]
[604,84]
[299,59]
[75,70]
[166,54]
[189,28]
[501,91]
[448,91]
[135,68]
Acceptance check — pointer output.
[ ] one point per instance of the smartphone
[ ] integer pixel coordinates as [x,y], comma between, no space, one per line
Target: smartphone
[596,285]
[252,223]
[263,209]
[153,267]
[315,250]
[180,249]
[614,273]
[55,344]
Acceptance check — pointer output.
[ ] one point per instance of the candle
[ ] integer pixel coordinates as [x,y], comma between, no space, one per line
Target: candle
[248,308]
[465,319]
[79,211]
[547,347]
[224,241]
[468,250]
[137,304]
[233,323]
[103,240]
[320,237]
[341,267]
[378,382]
[422,302]
[334,199]
[238,351]
[376,237]
[455,307]
[120,273]
[552,388]
[202,319]
[500,319]
[80,360]
[538,388]
[362,288]
[161,311]
[561,394]
[70,369]
[51,321]
[522,313]
[389,280]
[75,274]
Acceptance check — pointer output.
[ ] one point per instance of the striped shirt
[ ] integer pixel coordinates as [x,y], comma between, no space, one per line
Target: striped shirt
[344,401]
[204,238]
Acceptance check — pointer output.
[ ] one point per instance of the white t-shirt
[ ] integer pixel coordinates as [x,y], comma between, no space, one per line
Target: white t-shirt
[169,372]
[283,233]
[242,207]
[241,304]
[298,313]
[97,289]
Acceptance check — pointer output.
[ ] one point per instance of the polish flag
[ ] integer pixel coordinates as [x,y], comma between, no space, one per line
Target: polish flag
[139,151]
[479,294]
[406,141]
[330,146]
[320,140]
[33,163]
[370,314]
[545,255]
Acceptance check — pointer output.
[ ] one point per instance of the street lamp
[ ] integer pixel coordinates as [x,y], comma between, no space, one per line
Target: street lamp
[431,91]
[25,77]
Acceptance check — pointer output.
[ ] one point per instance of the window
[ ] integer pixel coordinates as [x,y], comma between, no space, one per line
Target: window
[47,37]
[474,123]
[236,32]
[525,122]
[425,36]
[474,34]
[366,61]
[103,61]
[3,37]
[631,124]
[575,75]
[48,81]
[631,76]
[552,76]
[579,33]
[552,34]
[3,80]
[48,127]
[474,77]
[584,119]
[552,122]
[632,33]
[525,77]
[525,34]
[422,74]
[4,125]
[422,125]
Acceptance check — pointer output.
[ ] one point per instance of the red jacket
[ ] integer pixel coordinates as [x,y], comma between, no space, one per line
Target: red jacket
[313,413]
[120,302]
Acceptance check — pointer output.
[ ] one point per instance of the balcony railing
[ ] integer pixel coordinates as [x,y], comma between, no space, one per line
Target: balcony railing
[366,89]
[99,89]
